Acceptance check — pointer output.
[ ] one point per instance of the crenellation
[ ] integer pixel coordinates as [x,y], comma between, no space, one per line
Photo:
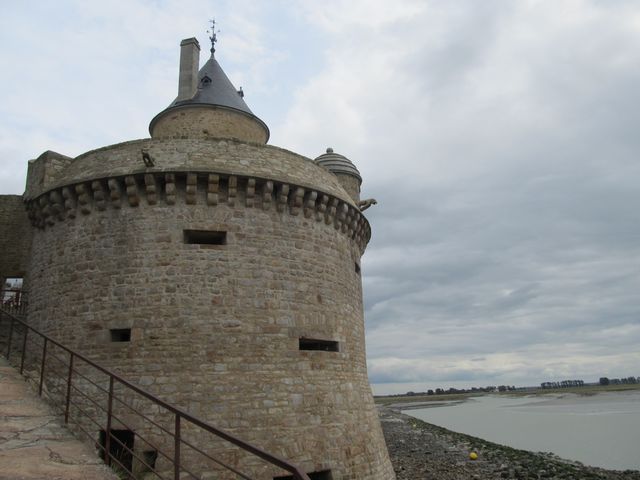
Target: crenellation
[310,203]
[296,201]
[70,202]
[343,216]
[357,234]
[133,196]
[115,192]
[251,192]
[99,196]
[282,197]
[82,193]
[170,188]
[232,190]
[346,220]
[151,188]
[213,189]
[322,207]
[192,189]
[267,194]
[57,204]
[331,211]
[43,202]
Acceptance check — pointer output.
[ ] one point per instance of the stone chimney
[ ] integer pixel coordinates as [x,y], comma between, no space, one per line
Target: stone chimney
[189,63]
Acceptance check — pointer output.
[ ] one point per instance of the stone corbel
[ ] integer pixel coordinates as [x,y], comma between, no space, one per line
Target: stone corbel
[132,191]
[192,188]
[232,190]
[213,189]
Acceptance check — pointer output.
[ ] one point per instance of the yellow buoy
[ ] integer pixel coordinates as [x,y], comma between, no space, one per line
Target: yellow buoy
[473,456]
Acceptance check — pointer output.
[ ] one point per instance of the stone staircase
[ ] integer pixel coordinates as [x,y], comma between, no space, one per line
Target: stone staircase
[34,444]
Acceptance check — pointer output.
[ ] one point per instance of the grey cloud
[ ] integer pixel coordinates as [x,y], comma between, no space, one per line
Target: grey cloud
[499,138]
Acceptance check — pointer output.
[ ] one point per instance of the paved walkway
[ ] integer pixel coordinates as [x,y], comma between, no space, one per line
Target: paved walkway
[33,442]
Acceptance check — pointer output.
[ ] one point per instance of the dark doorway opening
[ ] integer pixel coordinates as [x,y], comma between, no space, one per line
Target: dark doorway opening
[120,448]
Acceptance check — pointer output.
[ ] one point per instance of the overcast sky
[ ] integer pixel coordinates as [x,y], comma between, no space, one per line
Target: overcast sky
[500,139]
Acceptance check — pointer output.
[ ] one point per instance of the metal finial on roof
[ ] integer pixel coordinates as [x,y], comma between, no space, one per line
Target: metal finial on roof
[213,37]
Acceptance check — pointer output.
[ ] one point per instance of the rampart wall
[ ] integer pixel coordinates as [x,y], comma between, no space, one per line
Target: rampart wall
[15,237]
[216,328]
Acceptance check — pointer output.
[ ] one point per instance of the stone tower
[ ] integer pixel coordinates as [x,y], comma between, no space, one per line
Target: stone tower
[220,273]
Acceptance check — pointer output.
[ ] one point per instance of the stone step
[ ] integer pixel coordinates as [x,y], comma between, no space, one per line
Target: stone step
[34,444]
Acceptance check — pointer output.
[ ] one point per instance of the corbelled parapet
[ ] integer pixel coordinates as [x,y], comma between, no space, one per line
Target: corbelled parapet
[190,188]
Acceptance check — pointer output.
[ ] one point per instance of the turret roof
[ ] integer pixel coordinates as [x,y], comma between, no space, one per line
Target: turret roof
[338,164]
[215,88]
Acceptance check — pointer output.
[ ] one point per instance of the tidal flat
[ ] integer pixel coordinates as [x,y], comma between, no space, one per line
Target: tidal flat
[600,430]
[420,450]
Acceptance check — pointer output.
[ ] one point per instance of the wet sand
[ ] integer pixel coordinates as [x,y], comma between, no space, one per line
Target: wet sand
[421,451]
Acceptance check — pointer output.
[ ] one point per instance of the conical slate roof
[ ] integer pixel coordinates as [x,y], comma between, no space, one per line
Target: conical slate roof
[215,88]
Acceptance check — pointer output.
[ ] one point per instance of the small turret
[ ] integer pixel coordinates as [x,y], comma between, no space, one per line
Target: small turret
[207,105]
[347,173]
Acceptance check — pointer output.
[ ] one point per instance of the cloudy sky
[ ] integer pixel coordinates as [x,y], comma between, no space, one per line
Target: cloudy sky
[499,137]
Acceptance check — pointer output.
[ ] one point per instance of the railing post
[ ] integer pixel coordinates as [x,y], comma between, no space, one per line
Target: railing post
[10,336]
[44,356]
[107,437]
[66,408]
[24,348]
[176,451]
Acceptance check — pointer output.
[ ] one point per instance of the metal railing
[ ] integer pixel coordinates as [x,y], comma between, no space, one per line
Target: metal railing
[72,382]
[14,301]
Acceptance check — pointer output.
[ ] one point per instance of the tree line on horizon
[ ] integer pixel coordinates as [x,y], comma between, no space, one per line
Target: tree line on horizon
[454,391]
[508,388]
[563,384]
[619,381]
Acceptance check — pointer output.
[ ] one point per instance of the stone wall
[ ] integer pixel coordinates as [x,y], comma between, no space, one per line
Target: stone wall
[45,171]
[351,185]
[216,328]
[209,122]
[15,237]
[198,155]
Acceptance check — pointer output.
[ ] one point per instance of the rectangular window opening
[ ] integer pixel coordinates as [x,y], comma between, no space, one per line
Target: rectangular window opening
[120,334]
[321,345]
[120,447]
[205,237]
[323,475]
[357,268]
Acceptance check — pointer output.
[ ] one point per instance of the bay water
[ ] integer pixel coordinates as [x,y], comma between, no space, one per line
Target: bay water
[601,430]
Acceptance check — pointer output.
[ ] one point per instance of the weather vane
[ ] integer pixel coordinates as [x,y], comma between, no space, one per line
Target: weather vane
[213,37]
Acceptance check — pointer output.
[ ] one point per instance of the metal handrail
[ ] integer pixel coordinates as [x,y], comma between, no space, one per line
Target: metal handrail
[179,414]
[13,300]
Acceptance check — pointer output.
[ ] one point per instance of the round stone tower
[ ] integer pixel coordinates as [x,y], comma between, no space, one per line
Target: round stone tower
[218,272]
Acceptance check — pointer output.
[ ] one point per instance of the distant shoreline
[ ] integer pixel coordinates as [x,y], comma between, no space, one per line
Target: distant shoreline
[420,450]
[587,390]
